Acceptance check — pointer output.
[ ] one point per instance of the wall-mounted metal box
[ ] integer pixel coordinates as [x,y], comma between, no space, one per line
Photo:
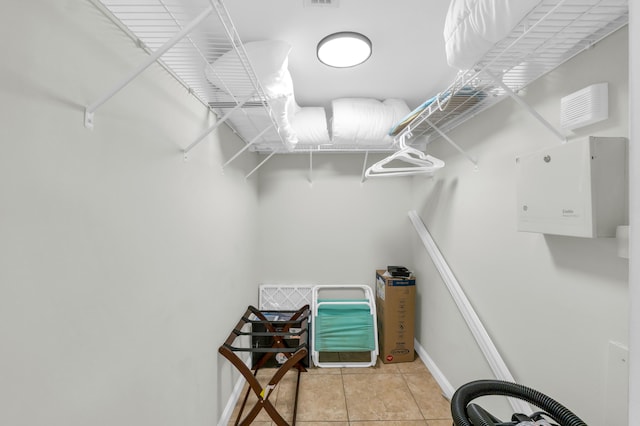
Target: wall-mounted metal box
[576,189]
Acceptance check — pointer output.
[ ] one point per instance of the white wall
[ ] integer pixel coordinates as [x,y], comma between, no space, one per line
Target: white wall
[122,267]
[334,229]
[551,303]
[634,208]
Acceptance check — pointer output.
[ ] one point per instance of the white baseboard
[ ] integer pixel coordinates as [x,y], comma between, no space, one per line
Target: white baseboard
[438,375]
[233,399]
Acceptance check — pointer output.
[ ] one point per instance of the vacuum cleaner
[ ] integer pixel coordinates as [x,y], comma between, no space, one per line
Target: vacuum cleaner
[466,413]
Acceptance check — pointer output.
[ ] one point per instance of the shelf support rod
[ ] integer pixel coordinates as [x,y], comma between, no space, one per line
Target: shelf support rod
[364,166]
[455,145]
[224,118]
[261,163]
[528,107]
[310,166]
[254,140]
[90,110]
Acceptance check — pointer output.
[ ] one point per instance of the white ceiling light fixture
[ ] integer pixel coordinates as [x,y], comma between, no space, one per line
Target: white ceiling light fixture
[344,49]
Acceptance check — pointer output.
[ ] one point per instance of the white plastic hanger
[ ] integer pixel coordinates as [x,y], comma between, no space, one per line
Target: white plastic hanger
[421,163]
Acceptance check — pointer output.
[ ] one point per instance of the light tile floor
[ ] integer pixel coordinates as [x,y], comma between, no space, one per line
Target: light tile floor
[403,394]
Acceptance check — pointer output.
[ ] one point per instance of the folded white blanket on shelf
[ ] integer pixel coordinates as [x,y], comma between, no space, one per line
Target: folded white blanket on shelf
[269,60]
[472,27]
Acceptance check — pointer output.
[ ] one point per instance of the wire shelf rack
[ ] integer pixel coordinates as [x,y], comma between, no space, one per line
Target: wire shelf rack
[552,33]
[185,37]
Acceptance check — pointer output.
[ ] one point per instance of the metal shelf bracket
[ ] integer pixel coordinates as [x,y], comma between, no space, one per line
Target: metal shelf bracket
[89,110]
[224,118]
[260,165]
[526,106]
[254,140]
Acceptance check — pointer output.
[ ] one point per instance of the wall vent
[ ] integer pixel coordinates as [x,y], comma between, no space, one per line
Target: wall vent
[321,3]
[584,107]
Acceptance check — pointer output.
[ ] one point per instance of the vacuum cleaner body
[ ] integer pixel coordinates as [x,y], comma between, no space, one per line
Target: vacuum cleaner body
[466,413]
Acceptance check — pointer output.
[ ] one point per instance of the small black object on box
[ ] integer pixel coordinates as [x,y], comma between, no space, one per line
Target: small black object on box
[399,271]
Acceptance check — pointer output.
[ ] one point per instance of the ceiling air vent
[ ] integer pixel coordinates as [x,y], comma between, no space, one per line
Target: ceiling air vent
[321,3]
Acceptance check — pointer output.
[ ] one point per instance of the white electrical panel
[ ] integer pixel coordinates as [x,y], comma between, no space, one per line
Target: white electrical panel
[576,189]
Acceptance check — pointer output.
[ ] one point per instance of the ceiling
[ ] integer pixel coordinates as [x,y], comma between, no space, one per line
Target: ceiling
[408,59]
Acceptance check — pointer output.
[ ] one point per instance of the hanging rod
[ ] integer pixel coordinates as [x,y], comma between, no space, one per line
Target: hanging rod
[90,110]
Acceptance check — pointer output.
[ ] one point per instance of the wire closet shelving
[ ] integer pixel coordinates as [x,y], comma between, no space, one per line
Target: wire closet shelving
[186,36]
[552,33]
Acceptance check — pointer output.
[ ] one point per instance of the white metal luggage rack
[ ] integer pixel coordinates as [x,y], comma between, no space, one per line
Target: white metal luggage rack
[552,33]
[185,37]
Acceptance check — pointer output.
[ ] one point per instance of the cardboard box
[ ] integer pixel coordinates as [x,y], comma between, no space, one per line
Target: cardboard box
[395,306]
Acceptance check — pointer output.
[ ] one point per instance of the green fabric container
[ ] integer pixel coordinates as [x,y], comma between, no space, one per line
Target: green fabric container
[344,328]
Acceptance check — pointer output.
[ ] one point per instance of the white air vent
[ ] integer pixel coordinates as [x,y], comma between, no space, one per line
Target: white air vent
[321,3]
[584,107]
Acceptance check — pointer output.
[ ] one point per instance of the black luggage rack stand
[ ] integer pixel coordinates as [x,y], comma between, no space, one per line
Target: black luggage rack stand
[278,331]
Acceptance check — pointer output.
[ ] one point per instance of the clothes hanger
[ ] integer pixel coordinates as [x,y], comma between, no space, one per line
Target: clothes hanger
[421,163]
[428,165]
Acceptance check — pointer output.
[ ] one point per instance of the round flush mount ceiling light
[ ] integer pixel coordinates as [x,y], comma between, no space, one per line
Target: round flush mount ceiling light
[344,49]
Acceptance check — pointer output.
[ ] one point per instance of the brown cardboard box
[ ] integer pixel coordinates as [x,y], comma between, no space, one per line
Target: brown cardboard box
[395,306]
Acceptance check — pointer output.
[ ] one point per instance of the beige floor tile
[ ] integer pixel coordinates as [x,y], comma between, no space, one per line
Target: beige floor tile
[323,424]
[323,370]
[251,400]
[320,399]
[357,396]
[285,396]
[392,423]
[427,394]
[379,368]
[417,366]
[263,376]
[439,422]
[232,423]
[379,397]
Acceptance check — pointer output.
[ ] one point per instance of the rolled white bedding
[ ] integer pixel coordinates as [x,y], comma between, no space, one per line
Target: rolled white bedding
[365,121]
[310,126]
[472,27]
[355,121]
